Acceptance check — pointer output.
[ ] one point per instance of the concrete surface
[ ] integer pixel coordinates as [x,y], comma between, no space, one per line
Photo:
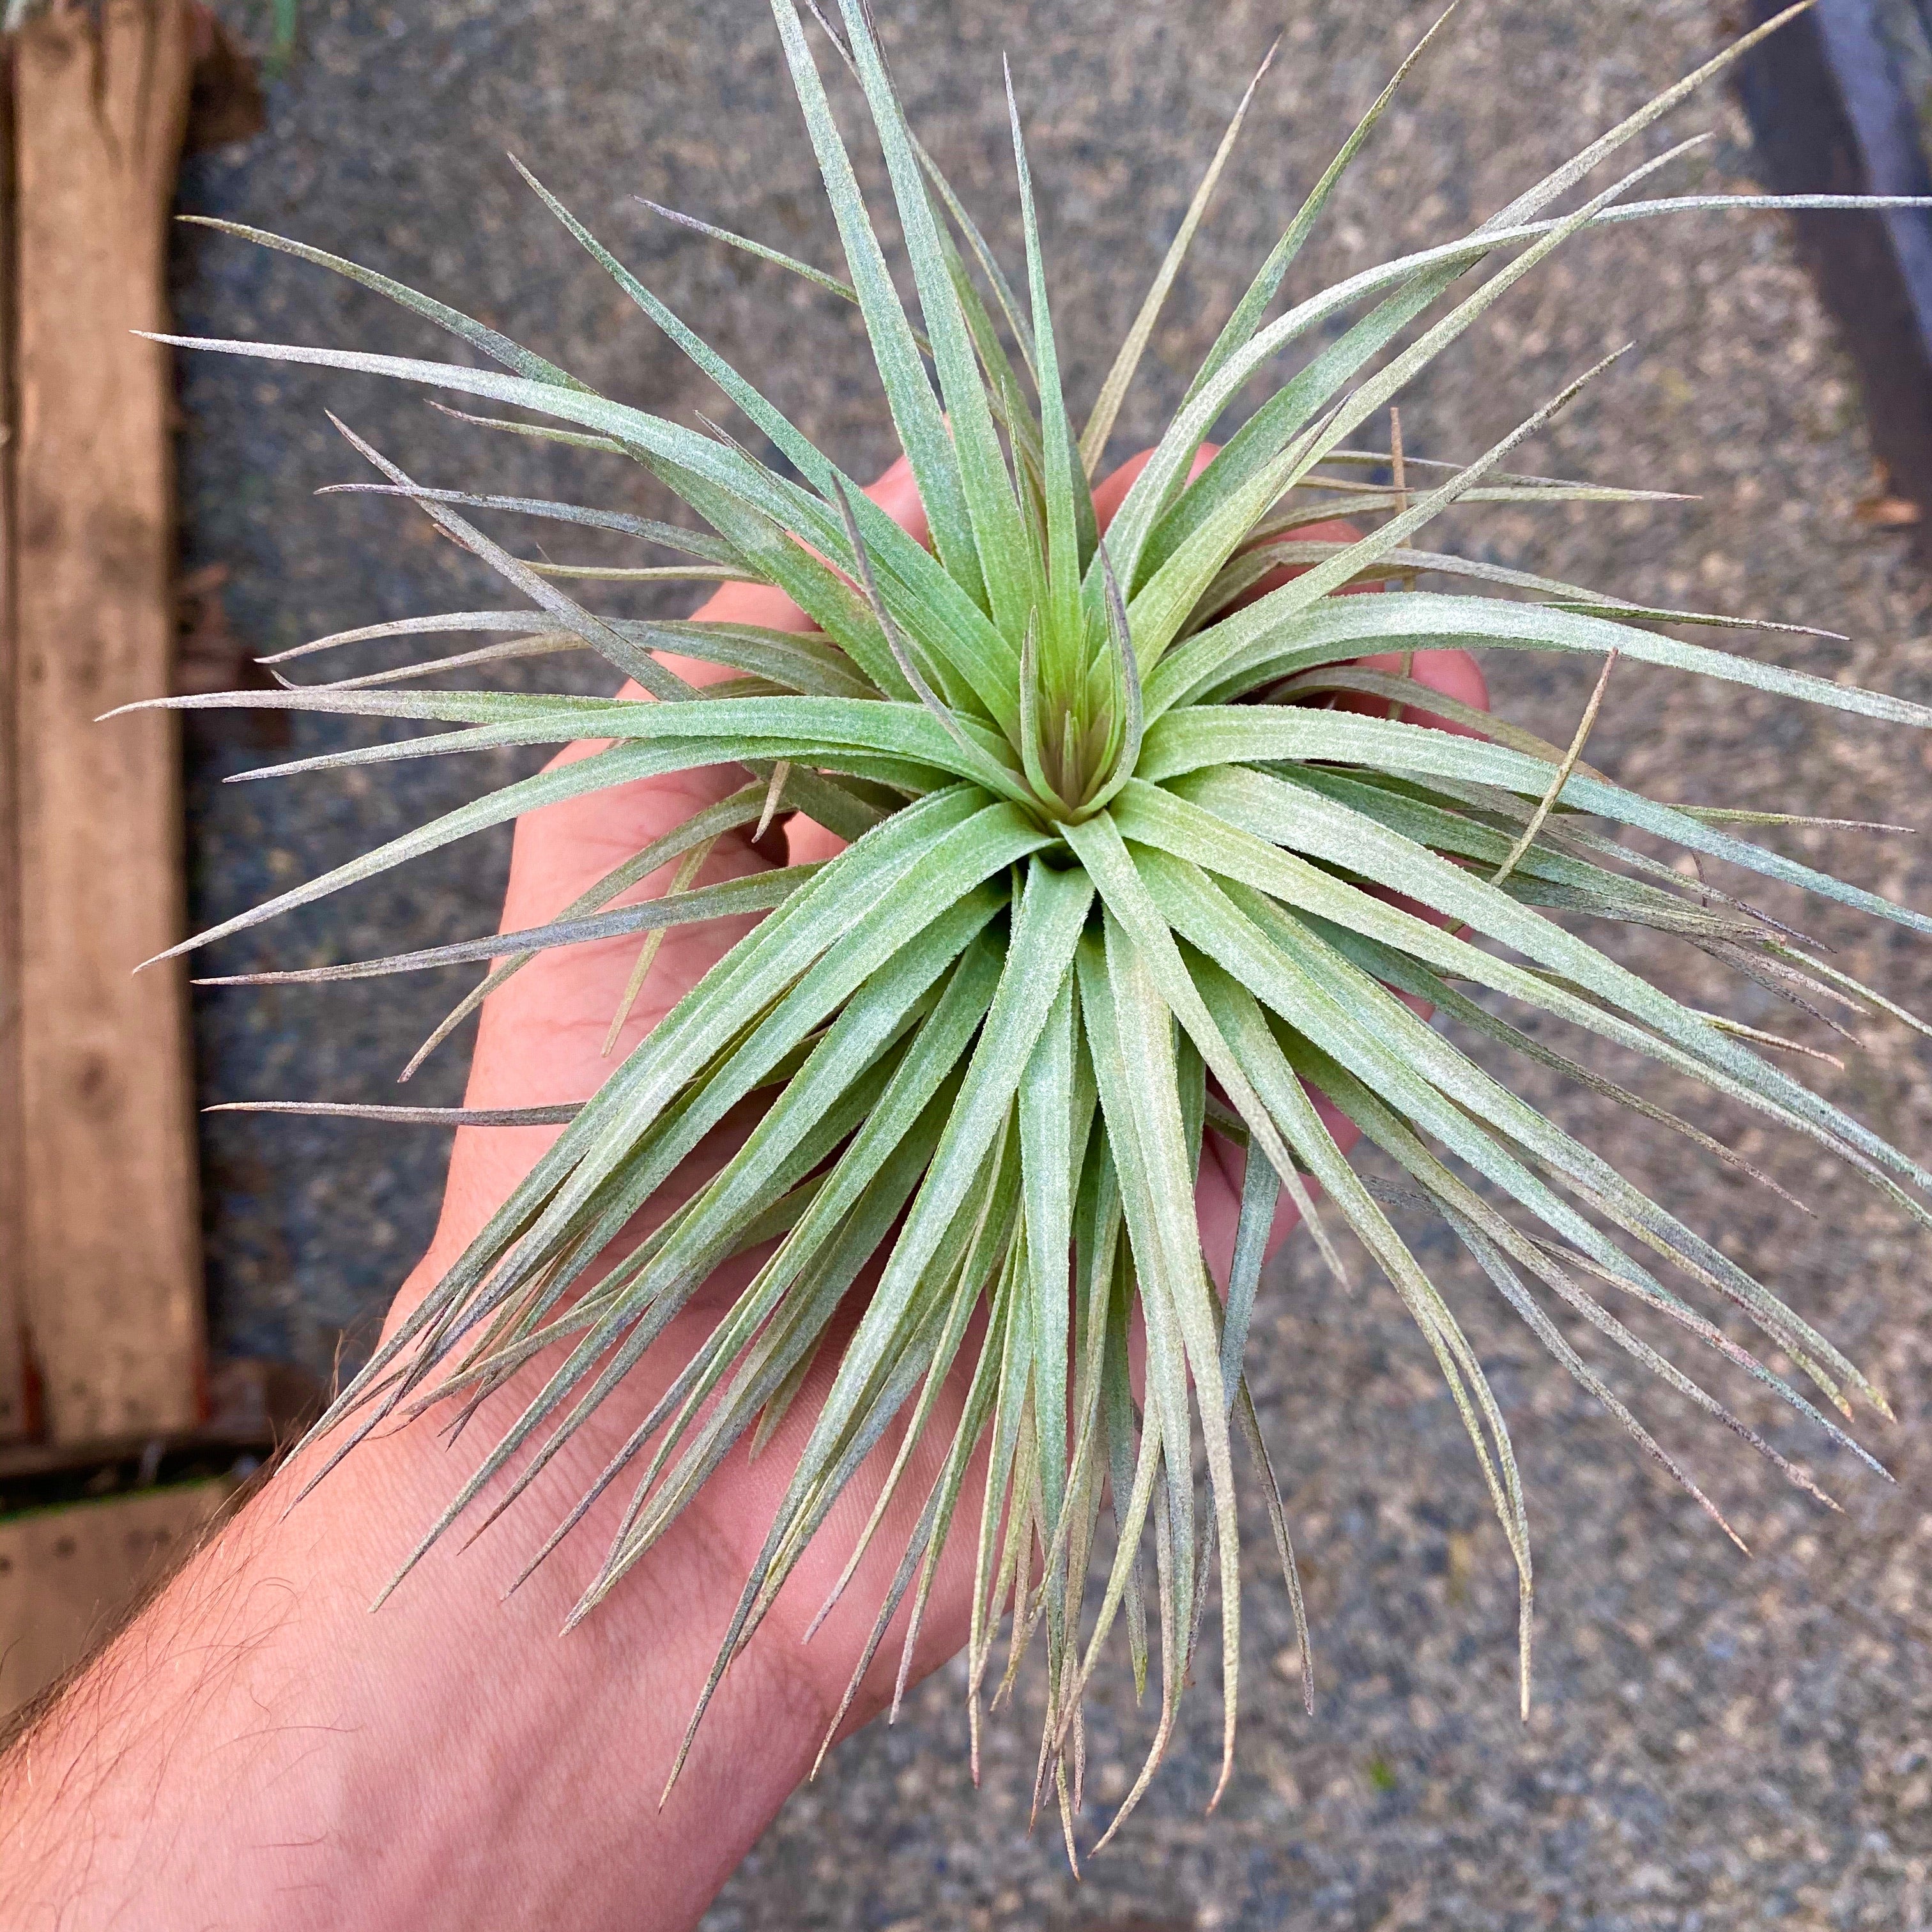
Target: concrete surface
[1715,1743]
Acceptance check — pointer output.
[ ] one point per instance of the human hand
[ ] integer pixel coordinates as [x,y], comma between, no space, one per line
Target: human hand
[451,1760]
[542,1041]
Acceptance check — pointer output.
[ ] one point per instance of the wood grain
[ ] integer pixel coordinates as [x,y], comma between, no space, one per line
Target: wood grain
[14,1420]
[113,1288]
[68,1576]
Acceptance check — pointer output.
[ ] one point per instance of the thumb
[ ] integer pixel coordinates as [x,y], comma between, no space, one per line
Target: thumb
[897,494]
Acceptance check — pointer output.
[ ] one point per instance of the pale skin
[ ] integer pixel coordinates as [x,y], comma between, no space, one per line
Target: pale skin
[256,1748]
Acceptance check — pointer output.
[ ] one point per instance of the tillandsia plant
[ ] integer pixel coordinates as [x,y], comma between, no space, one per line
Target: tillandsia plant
[1138,851]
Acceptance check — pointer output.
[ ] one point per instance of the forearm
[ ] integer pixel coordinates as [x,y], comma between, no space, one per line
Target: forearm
[257,1748]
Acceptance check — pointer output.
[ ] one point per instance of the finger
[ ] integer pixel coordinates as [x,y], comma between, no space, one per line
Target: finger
[1110,491]
[1336,530]
[1217,1191]
[1454,673]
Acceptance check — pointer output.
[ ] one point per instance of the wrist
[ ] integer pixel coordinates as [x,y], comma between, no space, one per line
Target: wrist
[450,1758]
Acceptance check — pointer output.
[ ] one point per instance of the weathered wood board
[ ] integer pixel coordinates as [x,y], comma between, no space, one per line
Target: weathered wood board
[112,1287]
[13,1418]
[68,1576]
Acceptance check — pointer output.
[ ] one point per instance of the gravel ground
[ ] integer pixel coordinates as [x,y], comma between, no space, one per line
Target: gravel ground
[1714,1742]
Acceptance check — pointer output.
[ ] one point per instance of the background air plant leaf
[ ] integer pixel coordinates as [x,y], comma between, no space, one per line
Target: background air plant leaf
[1137,854]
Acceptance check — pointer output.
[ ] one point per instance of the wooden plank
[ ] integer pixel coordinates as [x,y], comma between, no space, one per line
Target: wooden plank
[14,1420]
[68,1576]
[113,1275]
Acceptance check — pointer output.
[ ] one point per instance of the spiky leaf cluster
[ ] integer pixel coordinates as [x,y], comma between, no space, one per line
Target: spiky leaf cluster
[1121,874]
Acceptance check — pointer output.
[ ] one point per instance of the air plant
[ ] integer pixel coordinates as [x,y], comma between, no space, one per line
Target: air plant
[1131,861]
